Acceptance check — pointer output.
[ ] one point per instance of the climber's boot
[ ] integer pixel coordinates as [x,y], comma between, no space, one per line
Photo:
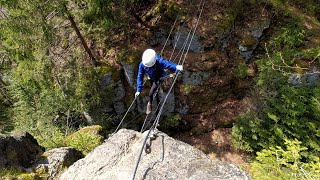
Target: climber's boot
[149,108]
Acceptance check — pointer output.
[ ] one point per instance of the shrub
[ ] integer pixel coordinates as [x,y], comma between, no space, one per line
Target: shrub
[241,70]
[9,173]
[284,111]
[287,163]
[86,139]
[172,121]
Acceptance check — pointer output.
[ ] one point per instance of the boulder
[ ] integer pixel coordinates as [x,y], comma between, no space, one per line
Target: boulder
[18,150]
[54,161]
[167,158]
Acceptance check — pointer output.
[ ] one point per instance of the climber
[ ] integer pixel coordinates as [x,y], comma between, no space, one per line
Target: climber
[154,66]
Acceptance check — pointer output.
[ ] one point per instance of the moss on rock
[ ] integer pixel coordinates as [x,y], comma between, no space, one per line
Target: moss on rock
[86,139]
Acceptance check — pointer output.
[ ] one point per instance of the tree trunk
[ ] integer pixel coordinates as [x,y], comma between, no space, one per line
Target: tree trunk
[83,42]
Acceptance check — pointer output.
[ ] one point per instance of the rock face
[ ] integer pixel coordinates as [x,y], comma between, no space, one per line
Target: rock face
[180,38]
[18,150]
[167,159]
[252,37]
[129,70]
[55,160]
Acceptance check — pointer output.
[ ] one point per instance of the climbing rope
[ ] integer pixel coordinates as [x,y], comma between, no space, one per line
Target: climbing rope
[124,116]
[156,122]
[183,47]
[144,82]
[169,35]
[195,28]
[144,122]
[165,77]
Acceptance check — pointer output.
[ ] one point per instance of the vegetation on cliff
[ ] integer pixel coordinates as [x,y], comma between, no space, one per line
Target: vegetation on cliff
[55,57]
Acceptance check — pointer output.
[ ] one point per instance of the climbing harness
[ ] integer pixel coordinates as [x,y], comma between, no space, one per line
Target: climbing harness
[160,102]
[156,122]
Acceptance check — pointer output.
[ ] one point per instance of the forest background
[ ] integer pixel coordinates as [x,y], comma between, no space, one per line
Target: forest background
[53,55]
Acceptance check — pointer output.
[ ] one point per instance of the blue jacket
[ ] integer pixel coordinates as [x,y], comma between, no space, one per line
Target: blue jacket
[155,72]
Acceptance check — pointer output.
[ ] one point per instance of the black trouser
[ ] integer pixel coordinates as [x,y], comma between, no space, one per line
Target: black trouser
[154,89]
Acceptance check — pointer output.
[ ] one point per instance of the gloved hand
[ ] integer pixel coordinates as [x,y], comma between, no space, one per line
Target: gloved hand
[137,94]
[179,67]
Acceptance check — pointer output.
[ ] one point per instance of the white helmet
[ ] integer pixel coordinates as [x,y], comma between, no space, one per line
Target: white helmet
[149,57]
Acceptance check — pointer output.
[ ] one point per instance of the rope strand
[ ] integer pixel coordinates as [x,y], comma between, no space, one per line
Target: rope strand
[169,35]
[156,122]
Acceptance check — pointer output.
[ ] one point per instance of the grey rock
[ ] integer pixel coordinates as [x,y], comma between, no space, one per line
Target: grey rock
[106,81]
[56,160]
[119,107]
[243,48]
[294,79]
[18,150]
[108,108]
[169,105]
[224,39]
[159,37]
[142,103]
[256,33]
[309,78]
[129,73]
[119,91]
[181,36]
[119,94]
[194,78]
[167,159]
[247,55]
[312,77]
[183,108]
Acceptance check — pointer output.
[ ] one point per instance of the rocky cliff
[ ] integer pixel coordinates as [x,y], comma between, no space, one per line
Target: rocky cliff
[18,150]
[167,159]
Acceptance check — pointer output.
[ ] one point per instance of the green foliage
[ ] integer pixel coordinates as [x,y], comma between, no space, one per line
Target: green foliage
[99,13]
[48,136]
[312,54]
[108,14]
[245,133]
[12,173]
[29,176]
[6,124]
[169,9]
[86,139]
[285,111]
[241,70]
[187,88]
[279,163]
[9,173]
[50,91]
[171,122]
[289,37]
[293,114]
[278,3]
